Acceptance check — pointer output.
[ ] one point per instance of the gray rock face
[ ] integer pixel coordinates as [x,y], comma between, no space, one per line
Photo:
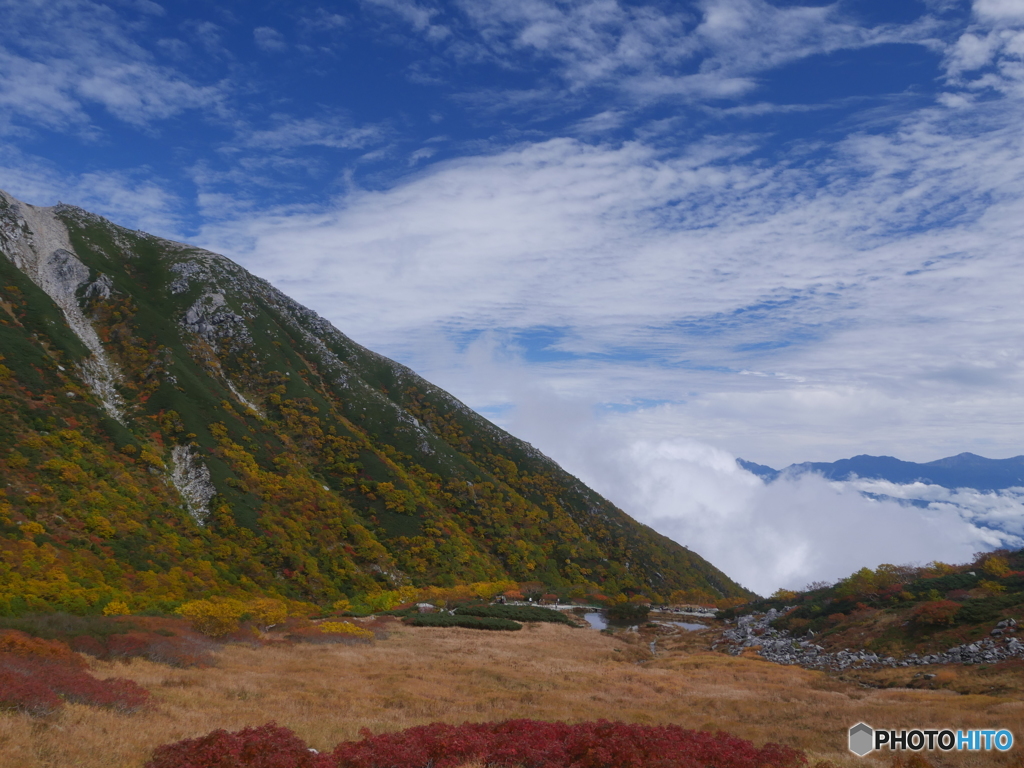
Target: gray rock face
[781,647]
[192,479]
[38,244]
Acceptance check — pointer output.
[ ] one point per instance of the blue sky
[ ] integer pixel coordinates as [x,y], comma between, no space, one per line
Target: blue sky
[638,234]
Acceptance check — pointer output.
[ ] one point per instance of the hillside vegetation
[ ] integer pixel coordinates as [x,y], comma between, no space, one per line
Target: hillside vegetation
[172,427]
[899,610]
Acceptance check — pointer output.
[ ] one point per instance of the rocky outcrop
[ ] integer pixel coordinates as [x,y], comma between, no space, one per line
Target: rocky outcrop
[781,647]
[192,479]
[38,244]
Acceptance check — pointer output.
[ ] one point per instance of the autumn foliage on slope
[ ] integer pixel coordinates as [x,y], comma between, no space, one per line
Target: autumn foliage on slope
[527,743]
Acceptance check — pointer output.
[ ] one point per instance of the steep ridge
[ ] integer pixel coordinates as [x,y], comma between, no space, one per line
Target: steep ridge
[172,426]
[965,470]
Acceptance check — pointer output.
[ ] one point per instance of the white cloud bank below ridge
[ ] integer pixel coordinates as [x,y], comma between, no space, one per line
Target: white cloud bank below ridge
[788,533]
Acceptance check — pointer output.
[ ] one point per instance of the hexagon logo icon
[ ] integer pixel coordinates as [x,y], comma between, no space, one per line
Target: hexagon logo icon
[861,739]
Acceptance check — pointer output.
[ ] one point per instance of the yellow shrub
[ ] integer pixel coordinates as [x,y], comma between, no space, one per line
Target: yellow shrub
[151,458]
[996,566]
[991,587]
[342,605]
[267,611]
[216,617]
[116,608]
[488,590]
[32,529]
[100,526]
[345,628]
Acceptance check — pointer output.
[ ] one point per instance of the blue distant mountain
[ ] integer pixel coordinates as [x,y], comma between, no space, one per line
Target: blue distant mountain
[965,470]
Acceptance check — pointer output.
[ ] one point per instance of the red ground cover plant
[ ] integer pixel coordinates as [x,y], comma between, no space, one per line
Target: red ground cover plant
[527,743]
[266,746]
[537,744]
[37,676]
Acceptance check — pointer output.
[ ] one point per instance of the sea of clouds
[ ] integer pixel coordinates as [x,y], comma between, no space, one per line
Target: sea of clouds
[788,533]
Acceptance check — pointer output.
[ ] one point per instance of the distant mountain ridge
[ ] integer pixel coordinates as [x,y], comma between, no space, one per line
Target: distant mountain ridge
[965,470]
[172,427]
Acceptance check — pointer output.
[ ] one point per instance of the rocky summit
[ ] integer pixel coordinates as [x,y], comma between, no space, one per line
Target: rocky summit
[172,426]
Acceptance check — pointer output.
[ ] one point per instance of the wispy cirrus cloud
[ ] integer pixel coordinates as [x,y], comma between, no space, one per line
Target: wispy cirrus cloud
[333,132]
[135,199]
[714,49]
[88,58]
[989,55]
[269,39]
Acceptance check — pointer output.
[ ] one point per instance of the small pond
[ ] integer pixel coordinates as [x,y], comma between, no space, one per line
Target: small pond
[688,625]
[597,620]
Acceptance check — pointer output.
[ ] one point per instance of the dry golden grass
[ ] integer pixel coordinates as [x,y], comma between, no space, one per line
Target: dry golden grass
[549,672]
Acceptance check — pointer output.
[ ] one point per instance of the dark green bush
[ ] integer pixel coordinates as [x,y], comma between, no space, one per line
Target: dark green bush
[986,609]
[455,620]
[516,613]
[62,626]
[945,583]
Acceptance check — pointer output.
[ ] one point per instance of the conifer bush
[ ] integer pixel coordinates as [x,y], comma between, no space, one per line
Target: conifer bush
[457,620]
[516,613]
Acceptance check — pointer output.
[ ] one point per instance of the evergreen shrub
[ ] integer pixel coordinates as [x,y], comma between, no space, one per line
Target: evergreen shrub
[516,613]
[456,620]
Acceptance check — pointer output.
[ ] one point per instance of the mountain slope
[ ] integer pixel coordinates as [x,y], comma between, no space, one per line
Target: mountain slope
[172,426]
[965,470]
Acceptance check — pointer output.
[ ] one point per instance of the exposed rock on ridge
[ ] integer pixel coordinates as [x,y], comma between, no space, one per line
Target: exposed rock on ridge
[38,243]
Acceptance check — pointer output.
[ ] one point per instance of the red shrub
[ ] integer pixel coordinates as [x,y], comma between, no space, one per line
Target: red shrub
[164,647]
[18,643]
[528,743]
[537,744]
[181,651]
[36,684]
[88,644]
[935,613]
[268,746]
[26,694]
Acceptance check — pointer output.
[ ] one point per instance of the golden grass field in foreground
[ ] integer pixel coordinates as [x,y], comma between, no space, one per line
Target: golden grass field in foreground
[326,693]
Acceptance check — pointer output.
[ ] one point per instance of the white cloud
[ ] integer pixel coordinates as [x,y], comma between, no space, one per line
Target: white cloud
[132,199]
[990,53]
[334,132]
[784,534]
[999,10]
[419,17]
[653,52]
[998,514]
[269,39]
[780,310]
[87,57]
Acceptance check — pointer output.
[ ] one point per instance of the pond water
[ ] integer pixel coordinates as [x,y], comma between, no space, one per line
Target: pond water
[689,625]
[596,620]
